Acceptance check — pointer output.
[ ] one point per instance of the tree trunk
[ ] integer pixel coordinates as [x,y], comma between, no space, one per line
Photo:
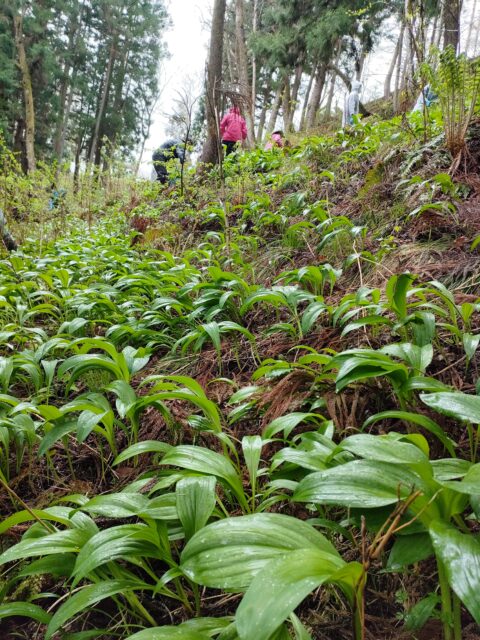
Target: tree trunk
[66,89]
[93,155]
[286,104]
[306,100]
[27,93]
[210,152]
[475,45]
[331,91]
[408,67]
[263,112]
[396,94]
[470,26]
[359,64]
[290,98]
[275,108]
[316,96]
[451,23]
[254,60]
[242,64]
[388,78]
[119,95]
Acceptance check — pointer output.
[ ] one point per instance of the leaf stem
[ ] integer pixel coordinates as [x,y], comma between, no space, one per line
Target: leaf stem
[446,597]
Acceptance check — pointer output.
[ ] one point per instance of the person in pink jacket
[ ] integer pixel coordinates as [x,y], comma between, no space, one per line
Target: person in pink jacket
[233,129]
[275,141]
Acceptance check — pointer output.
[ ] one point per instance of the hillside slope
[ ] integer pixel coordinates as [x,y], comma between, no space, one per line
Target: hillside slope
[267,383]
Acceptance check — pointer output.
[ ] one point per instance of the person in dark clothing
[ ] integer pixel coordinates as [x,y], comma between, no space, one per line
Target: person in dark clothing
[165,152]
[7,238]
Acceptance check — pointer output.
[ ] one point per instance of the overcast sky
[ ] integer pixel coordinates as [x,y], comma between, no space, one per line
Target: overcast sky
[187,42]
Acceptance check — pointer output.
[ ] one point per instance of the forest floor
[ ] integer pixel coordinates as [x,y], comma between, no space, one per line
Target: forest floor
[360,207]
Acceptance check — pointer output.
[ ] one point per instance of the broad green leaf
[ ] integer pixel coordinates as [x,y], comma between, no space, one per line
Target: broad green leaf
[311,315]
[460,554]
[360,364]
[59,542]
[409,549]
[389,448]
[56,565]
[86,599]
[450,468]
[195,502]
[146,446]
[469,484]
[227,554]
[470,344]
[213,331]
[54,514]
[299,629]
[424,383]
[169,633]
[312,460]
[287,423]
[126,396]
[280,587]
[364,484]
[26,610]
[210,626]
[397,289]
[417,357]
[367,321]
[454,404]
[252,449]
[126,541]
[207,462]
[88,635]
[117,505]
[414,418]
[419,615]
[87,421]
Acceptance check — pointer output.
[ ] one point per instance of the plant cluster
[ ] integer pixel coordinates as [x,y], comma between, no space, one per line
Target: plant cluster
[306,433]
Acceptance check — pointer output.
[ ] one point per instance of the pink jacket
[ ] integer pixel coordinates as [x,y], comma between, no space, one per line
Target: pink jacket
[233,127]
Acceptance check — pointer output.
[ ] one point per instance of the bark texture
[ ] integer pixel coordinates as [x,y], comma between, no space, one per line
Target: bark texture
[210,152]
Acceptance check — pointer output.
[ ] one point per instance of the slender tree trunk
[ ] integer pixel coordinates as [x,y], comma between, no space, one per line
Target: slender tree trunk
[119,97]
[286,104]
[263,112]
[470,26]
[76,170]
[440,24]
[433,35]
[254,59]
[388,78]
[475,45]
[306,99]
[331,91]
[316,96]
[242,64]
[360,62]
[328,106]
[66,90]
[27,93]
[229,56]
[103,102]
[275,107]
[290,98]
[210,152]
[451,23]
[396,95]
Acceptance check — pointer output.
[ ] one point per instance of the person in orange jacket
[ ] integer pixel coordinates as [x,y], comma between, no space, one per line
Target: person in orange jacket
[233,129]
